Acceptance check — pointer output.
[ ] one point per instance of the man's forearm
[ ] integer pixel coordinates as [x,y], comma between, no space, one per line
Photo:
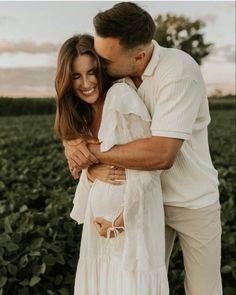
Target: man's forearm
[144,154]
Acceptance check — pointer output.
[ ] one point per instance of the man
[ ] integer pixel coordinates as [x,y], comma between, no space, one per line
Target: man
[171,85]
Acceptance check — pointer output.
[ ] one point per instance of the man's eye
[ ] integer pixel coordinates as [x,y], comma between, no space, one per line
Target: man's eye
[107,62]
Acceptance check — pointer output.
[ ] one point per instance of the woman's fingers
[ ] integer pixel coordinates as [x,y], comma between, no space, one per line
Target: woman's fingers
[73,169]
[115,182]
[119,173]
[98,226]
[102,225]
[75,173]
[108,174]
[116,174]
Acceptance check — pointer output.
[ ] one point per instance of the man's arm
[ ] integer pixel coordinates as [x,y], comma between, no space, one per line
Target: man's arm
[154,153]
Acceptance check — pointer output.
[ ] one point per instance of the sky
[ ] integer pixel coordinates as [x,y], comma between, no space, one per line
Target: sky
[31,33]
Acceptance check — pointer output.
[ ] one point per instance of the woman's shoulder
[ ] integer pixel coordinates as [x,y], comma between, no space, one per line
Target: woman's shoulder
[122,98]
[120,88]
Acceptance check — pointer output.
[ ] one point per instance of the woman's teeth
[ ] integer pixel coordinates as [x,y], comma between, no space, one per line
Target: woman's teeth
[88,92]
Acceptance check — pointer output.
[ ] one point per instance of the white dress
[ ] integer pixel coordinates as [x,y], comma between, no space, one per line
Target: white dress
[133,263]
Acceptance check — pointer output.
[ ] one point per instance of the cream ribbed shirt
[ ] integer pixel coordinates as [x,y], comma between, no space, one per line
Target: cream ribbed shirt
[174,92]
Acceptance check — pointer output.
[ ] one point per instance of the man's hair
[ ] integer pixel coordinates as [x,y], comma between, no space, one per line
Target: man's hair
[126,21]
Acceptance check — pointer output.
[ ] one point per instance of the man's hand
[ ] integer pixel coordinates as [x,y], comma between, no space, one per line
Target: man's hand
[106,173]
[103,226]
[78,155]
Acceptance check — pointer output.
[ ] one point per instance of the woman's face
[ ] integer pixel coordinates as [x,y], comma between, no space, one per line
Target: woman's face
[84,80]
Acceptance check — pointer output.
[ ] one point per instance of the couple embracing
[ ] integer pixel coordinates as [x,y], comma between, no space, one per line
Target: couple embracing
[133,118]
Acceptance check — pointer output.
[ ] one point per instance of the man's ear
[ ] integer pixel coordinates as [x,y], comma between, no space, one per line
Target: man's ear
[139,57]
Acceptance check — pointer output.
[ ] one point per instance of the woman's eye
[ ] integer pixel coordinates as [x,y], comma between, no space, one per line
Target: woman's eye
[92,72]
[75,76]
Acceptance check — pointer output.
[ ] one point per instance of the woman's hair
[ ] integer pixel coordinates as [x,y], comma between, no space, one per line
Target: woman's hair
[126,21]
[73,115]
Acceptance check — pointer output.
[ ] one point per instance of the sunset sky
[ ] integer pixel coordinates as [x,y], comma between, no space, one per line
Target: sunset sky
[31,33]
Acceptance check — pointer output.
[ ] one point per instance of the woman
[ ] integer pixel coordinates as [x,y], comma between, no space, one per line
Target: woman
[132,262]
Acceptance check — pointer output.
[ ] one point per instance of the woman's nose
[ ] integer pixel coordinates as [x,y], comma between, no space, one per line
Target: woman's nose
[85,82]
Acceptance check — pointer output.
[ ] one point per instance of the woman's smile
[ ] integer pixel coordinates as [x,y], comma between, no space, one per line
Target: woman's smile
[85,82]
[89,91]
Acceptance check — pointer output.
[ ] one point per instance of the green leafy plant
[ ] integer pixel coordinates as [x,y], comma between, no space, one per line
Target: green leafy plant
[39,243]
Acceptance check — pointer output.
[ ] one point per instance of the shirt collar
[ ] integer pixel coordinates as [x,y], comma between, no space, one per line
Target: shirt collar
[150,68]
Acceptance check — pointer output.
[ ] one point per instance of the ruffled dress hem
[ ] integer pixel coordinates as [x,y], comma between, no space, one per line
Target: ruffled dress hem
[113,279]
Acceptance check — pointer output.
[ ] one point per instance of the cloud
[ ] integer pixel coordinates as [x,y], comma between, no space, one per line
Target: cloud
[29,82]
[27,47]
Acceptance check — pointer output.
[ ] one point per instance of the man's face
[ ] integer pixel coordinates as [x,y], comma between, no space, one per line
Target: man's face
[119,62]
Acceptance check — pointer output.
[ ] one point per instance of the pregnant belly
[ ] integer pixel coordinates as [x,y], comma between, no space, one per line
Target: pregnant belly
[106,200]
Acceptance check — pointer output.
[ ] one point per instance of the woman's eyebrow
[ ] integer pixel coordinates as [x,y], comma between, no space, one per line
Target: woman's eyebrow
[91,69]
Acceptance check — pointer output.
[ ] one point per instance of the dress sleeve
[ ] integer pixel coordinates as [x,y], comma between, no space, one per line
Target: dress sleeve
[123,110]
[81,198]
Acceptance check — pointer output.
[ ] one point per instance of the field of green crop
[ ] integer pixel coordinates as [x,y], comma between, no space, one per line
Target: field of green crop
[39,243]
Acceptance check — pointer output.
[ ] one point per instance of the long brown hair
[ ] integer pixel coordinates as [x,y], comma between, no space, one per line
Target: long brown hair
[73,115]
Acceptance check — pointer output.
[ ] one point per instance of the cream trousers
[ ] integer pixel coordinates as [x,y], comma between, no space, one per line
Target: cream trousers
[199,233]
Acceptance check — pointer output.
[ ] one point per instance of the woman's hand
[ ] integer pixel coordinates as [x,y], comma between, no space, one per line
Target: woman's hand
[78,155]
[103,225]
[73,170]
[110,174]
